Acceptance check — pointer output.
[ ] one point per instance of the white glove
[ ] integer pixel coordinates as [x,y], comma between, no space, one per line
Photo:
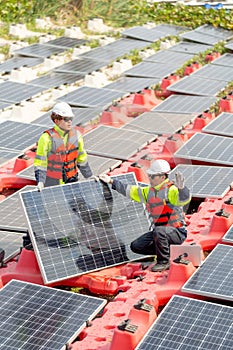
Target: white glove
[93,177]
[179,182]
[105,178]
[40,186]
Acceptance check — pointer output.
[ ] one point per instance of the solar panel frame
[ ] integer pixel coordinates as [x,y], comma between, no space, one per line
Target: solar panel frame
[200,37]
[14,92]
[221,125]
[84,246]
[11,242]
[205,181]
[214,278]
[224,60]
[39,51]
[187,323]
[228,237]
[148,69]
[39,317]
[215,72]
[207,148]
[185,104]
[198,86]
[107,141]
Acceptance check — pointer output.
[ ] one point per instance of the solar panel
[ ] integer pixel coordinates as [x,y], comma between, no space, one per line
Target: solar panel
[228,237]
[215,277]
[39,50]
[143,33]
[14,92]
[207,148]
[19,136]
[205,181]
[17,62]
[224,60]
[54,80]
[222,125]
[81,66]
[195,85]
[169,29]
[82,116]
[11,242]
[132,84]
[187,323]
[92,97]
[159,123]
[170,56]
[188,47]
[116,143]
[5,105]
[185,104]
[200,37]
[81,227]
[151,69]
[12,217]
[229,45]
[38,317]
[221,33]
[66,42]
[216,72]
[7,155]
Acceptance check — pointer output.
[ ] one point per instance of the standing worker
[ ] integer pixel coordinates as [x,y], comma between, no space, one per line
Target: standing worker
[164,201]
[60,151]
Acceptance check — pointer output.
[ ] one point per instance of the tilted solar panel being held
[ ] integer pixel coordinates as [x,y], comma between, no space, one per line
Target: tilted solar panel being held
[11,242]
[12,217]
[159,123]
[205,181]
[86,96]
[222,125]
[185,104]
[224,60]
[19,136]
[116,143]
[81,227]
[214,278]
[207,148]
[14,92]
[228,237]
[38,317]
[196,85]
[187,323]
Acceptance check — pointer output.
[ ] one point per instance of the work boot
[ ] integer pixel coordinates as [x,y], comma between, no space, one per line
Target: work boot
[160,267]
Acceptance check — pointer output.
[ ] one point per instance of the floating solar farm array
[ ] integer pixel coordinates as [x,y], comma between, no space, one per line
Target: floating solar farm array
[80,228]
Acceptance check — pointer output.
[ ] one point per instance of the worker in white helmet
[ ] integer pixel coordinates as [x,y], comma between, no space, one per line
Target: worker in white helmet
[164,201]
[60,151]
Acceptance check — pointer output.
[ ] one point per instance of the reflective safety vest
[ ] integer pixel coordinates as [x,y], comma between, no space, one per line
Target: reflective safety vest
[161,210]
[61,158]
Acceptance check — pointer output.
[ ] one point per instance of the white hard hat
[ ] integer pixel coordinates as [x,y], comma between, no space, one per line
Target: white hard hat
[63,109]
[159,166]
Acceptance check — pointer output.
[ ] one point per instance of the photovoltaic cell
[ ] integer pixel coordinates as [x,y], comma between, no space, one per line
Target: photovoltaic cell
[185,104]
[66,42]
[81,66]
[152,69]
[228,237]
[169,29]
[82,116]
[143,33]
[221,33]
[11,242]
[7,155]
[19,136]
[187,323]
[116,143]
[38,317]
[214,71]
[224,60]
[132,84]
[170,56]
[222,125]
[39,50]
[194,48]
[196,85]
[159,123]
[92,97]
[14,92]
[207,148]
[205,181]
[54,80]
[12,217]
[17,62]
[200,37]
[215,277]
[83,226]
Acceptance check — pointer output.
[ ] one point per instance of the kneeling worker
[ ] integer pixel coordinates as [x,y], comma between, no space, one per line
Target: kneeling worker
[164,201]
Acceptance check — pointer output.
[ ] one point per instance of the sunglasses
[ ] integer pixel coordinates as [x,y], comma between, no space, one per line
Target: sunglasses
[67,119]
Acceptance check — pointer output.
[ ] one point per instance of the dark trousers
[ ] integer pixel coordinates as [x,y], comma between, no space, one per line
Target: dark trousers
[157,242]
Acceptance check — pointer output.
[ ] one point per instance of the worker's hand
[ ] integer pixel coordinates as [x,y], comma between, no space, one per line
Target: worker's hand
[179,182]
[105,178]
[40,186]
[93,177]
